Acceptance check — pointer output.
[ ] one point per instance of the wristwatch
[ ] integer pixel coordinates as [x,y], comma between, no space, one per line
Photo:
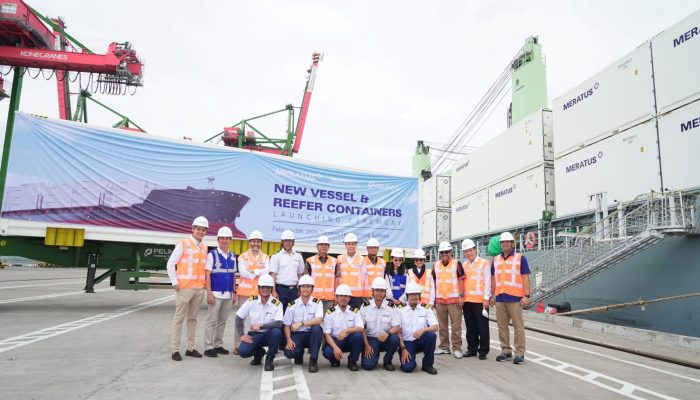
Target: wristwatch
[527,295]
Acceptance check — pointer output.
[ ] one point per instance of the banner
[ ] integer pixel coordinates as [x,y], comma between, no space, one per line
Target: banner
[74,173]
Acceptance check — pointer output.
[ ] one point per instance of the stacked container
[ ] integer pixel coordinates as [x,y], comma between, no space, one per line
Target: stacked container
[435,206]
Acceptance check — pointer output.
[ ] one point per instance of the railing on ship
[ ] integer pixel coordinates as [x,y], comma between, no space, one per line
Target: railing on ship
[666,212]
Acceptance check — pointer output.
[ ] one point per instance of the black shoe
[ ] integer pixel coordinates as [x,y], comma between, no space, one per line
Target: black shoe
[389,367]
[210,353]
[504,357]
[470,354]
[335,364]
[519,360]
[176,356]
[269,366]
[430,370]
[299,360]
[352,366]
[257,357]
[482,356]
[221,350]
[193,353]
[313,365]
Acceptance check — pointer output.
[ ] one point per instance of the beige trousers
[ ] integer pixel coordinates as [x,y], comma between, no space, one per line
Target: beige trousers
[187,303]
[217,315]
[505,313]
[449,314]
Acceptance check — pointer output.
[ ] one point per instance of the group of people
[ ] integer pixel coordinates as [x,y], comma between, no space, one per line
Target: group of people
[352,304]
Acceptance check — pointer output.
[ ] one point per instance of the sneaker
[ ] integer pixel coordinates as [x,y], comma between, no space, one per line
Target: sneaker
[504,357]
[519,360]
[221,350]
[389,367]
[441,351]
[457,354]
[352,366]
[176,356]
[193,353]
[210,353]
[482,356]
[431,370]
[470,354]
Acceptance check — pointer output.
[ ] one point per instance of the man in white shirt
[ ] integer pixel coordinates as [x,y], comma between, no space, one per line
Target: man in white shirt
[342,329]
[381,327]
[251,265]
[266,317]
[286,267]
[302,325]
[418,327]
[221,292]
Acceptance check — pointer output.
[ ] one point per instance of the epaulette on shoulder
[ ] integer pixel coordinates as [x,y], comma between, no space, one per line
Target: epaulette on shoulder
[291,303]
[316,300]
[251,298]
[356,310]
[275,301]
[391,304]
[330,310]
[400,305]
[424,305]
[365,302]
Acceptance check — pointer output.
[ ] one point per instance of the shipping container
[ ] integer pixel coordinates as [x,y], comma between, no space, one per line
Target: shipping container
[435,226]
[679,140]
[470,215]
[521,199]
[676,53]
[523,146]
[435,192]
[624,166]
[617,98]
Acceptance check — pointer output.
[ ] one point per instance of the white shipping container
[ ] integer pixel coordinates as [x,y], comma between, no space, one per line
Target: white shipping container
[521,199]
[624,166]
[435,192]
[618,97]
[470,215]
[524,145]
[679,140]
[676,54]
[435,226]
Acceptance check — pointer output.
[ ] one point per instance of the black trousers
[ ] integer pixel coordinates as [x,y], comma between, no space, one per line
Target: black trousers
[477,328]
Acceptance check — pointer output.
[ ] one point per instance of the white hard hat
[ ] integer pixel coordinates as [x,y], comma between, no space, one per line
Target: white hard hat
[306,280]
[413,288]
[323,240]
[224,232]
[372,242]
[266,280]
[343,290]
[444,246]
[397,252]
[468,244]
[379,283]
[256,234]
[419,253]
[350,237]
[201,221]
[287,235]
[507,237]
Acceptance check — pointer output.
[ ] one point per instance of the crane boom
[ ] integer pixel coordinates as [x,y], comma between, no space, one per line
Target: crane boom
[301,122]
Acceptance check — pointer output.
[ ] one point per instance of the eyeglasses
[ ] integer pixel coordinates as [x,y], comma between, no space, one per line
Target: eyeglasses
[445,252]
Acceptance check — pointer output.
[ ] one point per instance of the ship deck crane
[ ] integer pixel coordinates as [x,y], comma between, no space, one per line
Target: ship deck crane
[245,135]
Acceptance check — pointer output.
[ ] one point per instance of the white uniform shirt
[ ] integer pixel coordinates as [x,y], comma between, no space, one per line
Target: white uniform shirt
[298,312]
[260,313]
[336,320]
[379,319]
[209,266]
[413,319]
[287,266]
[248,274]
[175,257]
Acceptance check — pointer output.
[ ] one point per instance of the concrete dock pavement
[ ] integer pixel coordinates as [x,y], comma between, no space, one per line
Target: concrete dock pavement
[115,344]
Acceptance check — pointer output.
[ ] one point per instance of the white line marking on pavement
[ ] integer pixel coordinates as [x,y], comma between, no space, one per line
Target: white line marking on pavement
[626,389]
[41,285]
[47,333]
[267,390]
[49,296]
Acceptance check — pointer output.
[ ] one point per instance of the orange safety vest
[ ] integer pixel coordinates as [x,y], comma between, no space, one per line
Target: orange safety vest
[324,277]
[424,282]
[507,275]
[474,284]
[446,280]
[372,271]
[191,268]
[351,273]
[247,286]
